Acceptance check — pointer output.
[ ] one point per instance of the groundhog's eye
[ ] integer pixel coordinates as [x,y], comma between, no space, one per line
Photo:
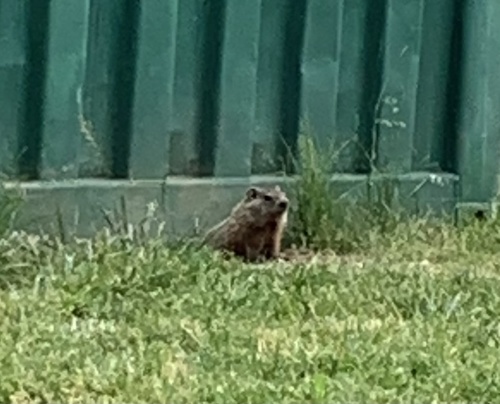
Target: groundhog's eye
[268,198]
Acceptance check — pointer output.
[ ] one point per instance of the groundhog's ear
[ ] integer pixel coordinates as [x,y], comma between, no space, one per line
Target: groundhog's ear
[252,193]
[277,188]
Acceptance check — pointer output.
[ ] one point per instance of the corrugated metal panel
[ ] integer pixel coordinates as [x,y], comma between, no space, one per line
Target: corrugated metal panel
[127,89]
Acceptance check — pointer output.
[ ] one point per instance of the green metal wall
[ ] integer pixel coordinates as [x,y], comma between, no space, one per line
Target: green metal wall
[145,89]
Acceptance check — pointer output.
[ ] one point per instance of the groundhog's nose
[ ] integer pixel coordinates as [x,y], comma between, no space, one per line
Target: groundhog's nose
[283,205]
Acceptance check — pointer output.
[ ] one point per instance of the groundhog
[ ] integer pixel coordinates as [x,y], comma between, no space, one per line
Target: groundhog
[254,229]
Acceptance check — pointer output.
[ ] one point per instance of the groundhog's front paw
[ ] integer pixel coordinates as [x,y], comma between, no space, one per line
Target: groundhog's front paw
[283,257]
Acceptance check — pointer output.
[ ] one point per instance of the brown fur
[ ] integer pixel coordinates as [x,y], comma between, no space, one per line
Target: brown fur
[254,228]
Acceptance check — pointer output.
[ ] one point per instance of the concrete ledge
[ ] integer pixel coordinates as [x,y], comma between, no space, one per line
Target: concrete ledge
[476,210]
[185,204]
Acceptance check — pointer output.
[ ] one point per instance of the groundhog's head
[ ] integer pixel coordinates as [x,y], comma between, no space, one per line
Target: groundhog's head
[266,204]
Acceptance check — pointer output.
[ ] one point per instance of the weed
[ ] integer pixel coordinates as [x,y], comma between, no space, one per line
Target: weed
[323,217]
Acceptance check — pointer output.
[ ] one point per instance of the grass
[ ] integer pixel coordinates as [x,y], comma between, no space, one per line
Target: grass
[107,321]
[408,312]
[10,200]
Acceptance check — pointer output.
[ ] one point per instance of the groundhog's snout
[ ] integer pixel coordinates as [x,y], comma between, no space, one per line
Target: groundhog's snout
[283,204]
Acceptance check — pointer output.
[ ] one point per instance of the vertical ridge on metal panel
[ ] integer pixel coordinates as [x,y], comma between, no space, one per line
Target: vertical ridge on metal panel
[271,52]
[183,159]
[479,129]
[320,70]
[431,126]
[124,70]
[101,80]
[66,58]
[355,147]
[373,59]
[238,88]
[153,89]
[29,146]
[109,85]
[13,25]
[208,85]
[291,84]
[397,103]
